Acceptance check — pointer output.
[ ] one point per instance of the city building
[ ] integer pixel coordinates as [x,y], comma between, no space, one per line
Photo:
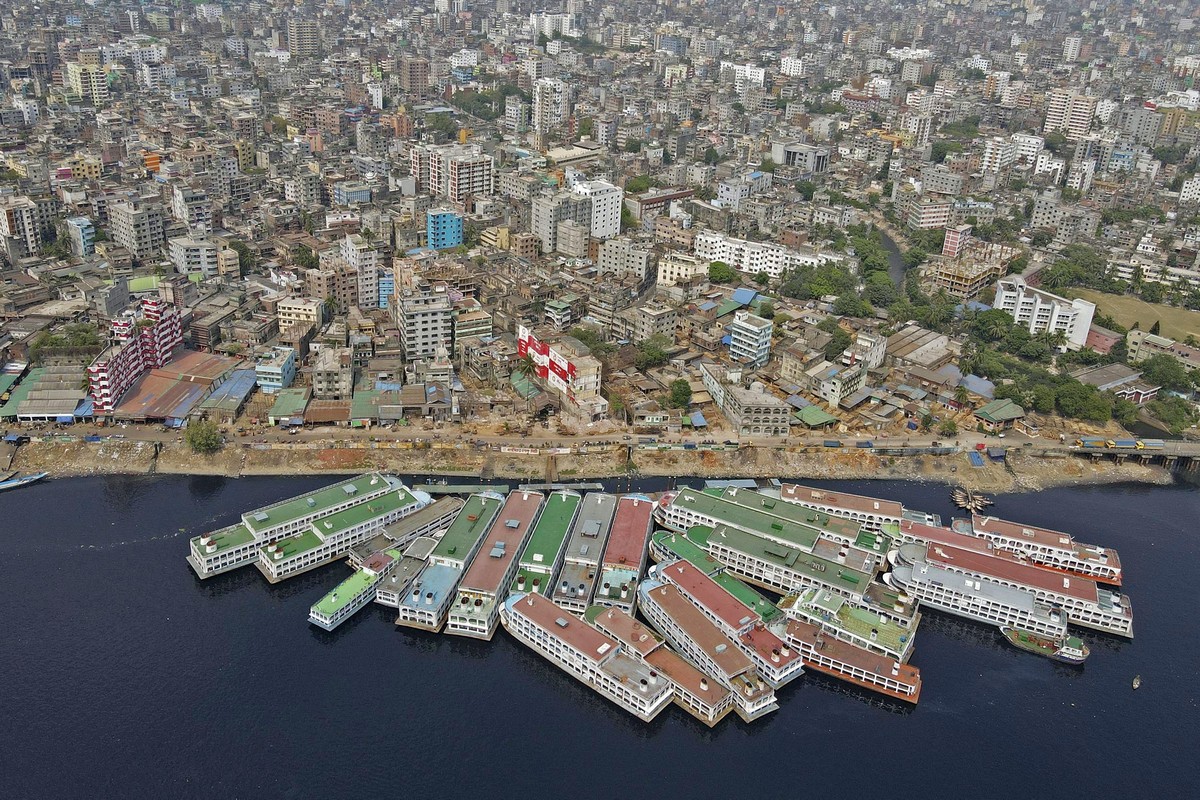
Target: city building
[443,228]
[750,339]
[1040,311]
[276,370]
[141,340]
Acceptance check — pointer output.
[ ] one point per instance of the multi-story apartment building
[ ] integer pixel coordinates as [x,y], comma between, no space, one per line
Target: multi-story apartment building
[750,339]
[142,339]
[333,374]
[138,228]
[443,228]
[276,370]
[425,319]
[1039,311]
[303,37]
[363,261]
[305,311]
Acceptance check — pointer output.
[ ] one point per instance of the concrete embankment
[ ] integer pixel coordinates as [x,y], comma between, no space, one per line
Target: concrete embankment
[1023,471]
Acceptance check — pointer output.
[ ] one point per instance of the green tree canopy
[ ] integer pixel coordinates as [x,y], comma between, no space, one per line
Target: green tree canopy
[720,272]
[203,437]
[681,394]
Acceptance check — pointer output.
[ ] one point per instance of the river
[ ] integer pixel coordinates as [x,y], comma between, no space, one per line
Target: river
[896,268]
[125,676]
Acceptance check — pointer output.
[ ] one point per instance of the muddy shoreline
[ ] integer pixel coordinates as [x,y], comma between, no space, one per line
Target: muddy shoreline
[1022,472]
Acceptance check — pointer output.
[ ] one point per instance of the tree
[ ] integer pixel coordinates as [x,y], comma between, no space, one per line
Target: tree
[681,394]
[203,437]
[961,395]
[1041,238]
[525,365]
[651,353]
[711,156]
[948,428]
[1156,327]
[849,305]
[992,325]
[304,258]
[247,260]
[1055,141]
[806,189]
[633,145]
[1175,412]
[587,126]
[837,345]
[1163,370]
[766,310]
[762,278]
[720,272]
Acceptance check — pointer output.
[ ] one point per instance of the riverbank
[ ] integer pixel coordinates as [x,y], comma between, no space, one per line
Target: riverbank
[1023,471]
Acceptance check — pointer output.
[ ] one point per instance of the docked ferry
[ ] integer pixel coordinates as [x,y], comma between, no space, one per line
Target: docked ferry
[977,598]
[1045,547]
[593,658]
[863,668]
[238,545]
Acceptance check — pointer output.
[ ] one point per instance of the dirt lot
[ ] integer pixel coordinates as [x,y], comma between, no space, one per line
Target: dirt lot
[1177,323]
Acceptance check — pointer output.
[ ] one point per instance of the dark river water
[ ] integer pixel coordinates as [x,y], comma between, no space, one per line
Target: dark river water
[126,677]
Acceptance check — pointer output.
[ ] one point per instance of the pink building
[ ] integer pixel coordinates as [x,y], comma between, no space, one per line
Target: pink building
[142,340]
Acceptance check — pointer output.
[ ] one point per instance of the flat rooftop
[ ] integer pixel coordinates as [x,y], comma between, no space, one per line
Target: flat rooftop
[796,493]
[630,532]
[849,654]
[1007,569]
[318,502]
[835,611]
[1031,534]
[683,547]
[563,626]
[432,587]
[225,538]
[551,531]
[354,516]
[345,593]
[502,543]
[698,628]
[590,529]
[811,567]
[467,528]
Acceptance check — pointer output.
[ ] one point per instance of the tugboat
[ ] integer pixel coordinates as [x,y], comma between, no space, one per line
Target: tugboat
[1069,649]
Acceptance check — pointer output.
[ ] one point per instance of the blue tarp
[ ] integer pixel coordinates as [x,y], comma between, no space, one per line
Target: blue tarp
[387,386]
[295,421]
[173,422]
[86,408]
[65,419]
[726,339]
[698,420]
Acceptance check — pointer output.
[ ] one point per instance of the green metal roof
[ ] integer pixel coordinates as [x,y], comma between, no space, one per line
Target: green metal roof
[363,512]
[468,527]
[814,417]
[345,593]
[233,536]
[315,503]
[550,532]
[289,403]
[19,394]
[768,516]
[691,552]
[833,610]
[1000,411]
[809,566]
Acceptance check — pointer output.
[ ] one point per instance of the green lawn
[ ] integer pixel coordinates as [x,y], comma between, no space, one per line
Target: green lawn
[1177,323]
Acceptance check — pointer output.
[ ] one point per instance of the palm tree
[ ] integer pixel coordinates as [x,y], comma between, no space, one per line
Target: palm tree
[526,366]
[961,395]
